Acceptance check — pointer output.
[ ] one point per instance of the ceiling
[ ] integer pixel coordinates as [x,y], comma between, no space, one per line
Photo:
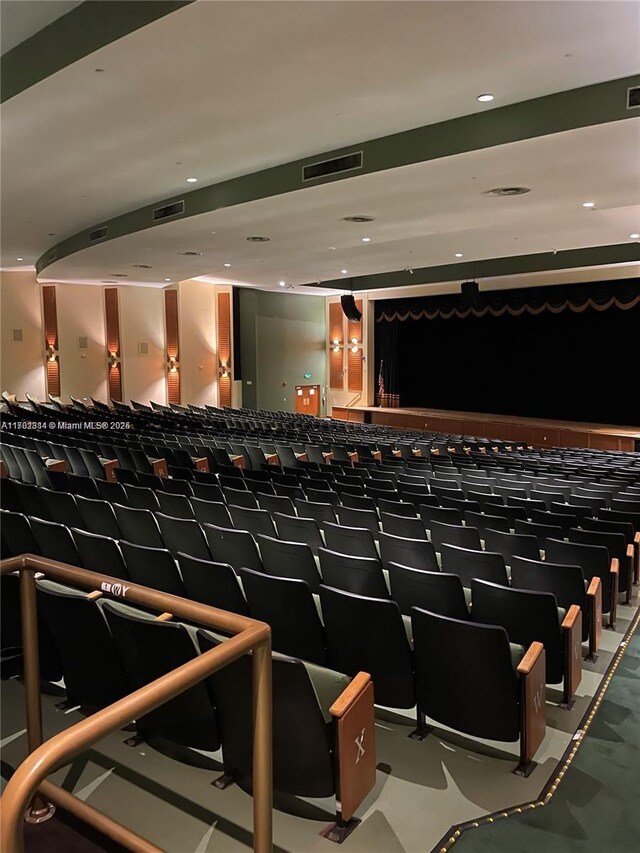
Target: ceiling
[20,19]
[221,89]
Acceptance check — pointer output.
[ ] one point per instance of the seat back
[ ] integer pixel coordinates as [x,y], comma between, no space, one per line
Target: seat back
[358,542]
[55,541]
[464,676]
[98,517]
[211,512]
[100,554]
[398,525]
[183,534]
[177,506]
[469,564]
[361,575]
[511,545]
[289,560]
[140,497]
[565,582]
[235,547]
[255,521]
[17,534]
[416,553]
[287,605]
[214,584]
[452,534]
[594,561]
[483,522]
[435,591]
[152,567]
[138,526]
[368,635]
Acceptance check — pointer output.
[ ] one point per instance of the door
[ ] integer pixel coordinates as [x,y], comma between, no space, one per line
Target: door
[308,400]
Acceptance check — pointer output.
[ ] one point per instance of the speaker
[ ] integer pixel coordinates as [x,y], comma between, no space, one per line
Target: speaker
[471,293]
[349,308]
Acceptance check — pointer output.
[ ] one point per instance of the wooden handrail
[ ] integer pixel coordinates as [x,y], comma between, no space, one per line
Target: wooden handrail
[45,757]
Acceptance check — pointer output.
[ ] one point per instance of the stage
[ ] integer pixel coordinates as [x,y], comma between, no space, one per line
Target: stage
[535,431]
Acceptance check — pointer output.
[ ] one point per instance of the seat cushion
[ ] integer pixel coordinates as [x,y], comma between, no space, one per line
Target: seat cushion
[327,684]
[517,653]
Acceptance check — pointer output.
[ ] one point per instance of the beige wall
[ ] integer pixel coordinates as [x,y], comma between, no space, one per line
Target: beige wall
[83,373]
[367,397]
[142,319]
[21,364]
[198,342]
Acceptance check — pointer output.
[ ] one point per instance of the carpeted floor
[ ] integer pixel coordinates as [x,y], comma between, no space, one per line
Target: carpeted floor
[597,806]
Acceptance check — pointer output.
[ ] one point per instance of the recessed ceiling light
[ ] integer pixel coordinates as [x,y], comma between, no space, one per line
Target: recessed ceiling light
[360,217]
[366,239]
[192,180]
[344,272]
[167,279]
[118,275]
[22,259]
[484,99]
[258,239]
[227,265]
[99,70]
[190,254]
[632,237]
[588,204]
[458,254]
[282,283]
[142,266]
[502,192]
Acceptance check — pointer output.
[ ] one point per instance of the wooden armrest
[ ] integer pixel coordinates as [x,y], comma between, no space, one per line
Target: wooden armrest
[615,581]
[529,660]
[92,596]
[595,584]
[56,465]
[630,551]
[164,617]
[159,467]
[570,619]
[302,457]
[377,455]
[615,566]
[201,463]
[572,629]
[636,538]
[349,695]
[328,456]
[272,458]
[594,601]
[417,451]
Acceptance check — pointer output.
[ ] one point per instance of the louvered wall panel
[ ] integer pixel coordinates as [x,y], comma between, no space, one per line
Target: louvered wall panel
[50,314]
[224,347]
[336,332]
[173,343]
[112,316]
[354,359]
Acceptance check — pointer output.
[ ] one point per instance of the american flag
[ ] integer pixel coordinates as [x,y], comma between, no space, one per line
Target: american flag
[381,382]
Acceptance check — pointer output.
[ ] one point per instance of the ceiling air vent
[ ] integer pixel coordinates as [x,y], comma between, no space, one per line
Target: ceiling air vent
[175,209]
[326,168]
[633,98]
[143,347]
[503,192]
[52,256]
[16,336]
[98,234]
[83,342]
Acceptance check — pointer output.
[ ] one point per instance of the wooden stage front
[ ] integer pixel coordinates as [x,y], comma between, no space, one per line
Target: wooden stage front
[535,431]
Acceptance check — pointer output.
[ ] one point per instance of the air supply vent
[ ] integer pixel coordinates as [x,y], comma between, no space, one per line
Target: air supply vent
[98,233]
[16,336]
[51,257]
[633,98]
[83,342]
[175,209]
[325,168]
[143,347]
[503,192]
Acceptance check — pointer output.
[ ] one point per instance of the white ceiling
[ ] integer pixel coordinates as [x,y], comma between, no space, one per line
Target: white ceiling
[219,89]
[424,214]
[20,19]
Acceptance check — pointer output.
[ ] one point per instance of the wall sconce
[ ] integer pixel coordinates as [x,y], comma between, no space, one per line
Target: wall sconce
[354,345]
[113,359]
[173,365]
[51,353]
[336,345]
[224,369]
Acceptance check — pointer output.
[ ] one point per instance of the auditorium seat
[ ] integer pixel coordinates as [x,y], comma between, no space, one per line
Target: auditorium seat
[275,503]
[55,541]
[618,547]
[17,535]
[483,522]
[183,534]
[470,679]
[62,508]
[512,545]
[453,534]
[594,561]
[82,637]
[98,517]
[211,512]
[469,564]
[138,526]
[149,649]
[139,497]
[305,530]
[541,532]
[417,553]
[255,521]
[177,506]
[319,512]
[357,541]
[114,493]
[399,525]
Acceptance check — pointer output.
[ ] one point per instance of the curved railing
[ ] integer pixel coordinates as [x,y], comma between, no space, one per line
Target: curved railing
[27,789]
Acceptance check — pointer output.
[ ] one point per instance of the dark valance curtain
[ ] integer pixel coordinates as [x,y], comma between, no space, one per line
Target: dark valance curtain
[569,352]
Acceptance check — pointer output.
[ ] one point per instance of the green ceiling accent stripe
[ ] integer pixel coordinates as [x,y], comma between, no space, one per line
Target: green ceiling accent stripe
[90,26]
[621,253]
[591,105]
